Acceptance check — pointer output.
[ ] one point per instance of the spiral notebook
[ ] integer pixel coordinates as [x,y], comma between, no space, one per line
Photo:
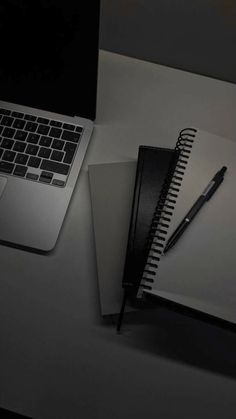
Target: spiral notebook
[154,163]
[199,272]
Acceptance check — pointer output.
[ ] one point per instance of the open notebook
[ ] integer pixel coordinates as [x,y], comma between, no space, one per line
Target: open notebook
[200,270]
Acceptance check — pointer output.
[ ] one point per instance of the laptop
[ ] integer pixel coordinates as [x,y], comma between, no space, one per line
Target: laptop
[48,81]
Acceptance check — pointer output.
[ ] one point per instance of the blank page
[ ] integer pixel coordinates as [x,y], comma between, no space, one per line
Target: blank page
[200,270]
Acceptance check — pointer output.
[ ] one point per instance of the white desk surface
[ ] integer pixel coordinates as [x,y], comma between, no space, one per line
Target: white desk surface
[58,358]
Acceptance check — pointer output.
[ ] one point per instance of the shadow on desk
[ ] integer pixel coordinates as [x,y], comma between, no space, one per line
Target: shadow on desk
[172,335]
[7,414]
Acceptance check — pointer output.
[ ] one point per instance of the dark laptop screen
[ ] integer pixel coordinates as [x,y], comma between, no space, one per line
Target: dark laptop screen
[48,54]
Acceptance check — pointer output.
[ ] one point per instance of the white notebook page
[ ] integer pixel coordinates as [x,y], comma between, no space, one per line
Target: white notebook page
[200,270]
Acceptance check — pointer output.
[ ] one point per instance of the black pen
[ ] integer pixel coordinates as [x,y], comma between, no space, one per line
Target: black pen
[205,196]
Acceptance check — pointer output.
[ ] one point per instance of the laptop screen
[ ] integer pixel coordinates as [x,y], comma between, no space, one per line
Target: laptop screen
[49,54]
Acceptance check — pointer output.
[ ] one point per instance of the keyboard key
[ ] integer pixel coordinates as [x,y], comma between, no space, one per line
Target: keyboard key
[45,141]
[69,127]
[21,158]
[1,151]
[5,111]
[43,129]
[44,152]
[7,143]
[47,174]
[9,155]
[58,144]
[70,147]
[19,146]
[1,128]
[32,176]
[19,123]
[31,126]
[34,162]
[30,117]
[55,132]
[32,149]
[43,120]
[17,114]
[57,155]
[20,170]
[79,129]
[7,121]
[56,124]
[46,177]
[70,152]
[68,157]
[33,138]
[8,132]
[58,182]
[21,135]
[6,167]
[71,136]
[56,167]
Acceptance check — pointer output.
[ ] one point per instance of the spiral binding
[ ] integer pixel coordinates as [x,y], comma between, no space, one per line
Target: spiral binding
[165,207]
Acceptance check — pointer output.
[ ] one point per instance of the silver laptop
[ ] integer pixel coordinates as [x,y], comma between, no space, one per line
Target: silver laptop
[48,80]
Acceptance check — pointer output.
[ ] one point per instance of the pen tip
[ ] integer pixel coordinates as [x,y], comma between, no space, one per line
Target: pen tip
[222,171]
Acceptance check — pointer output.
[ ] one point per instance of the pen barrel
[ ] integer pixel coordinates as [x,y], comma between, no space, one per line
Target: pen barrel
[195,208]
[184,224]
[177,233]
[213,189]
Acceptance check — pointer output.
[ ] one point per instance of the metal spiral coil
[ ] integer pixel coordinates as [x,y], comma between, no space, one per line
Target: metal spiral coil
[165,207]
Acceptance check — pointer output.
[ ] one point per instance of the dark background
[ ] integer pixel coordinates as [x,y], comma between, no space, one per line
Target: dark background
[196,35]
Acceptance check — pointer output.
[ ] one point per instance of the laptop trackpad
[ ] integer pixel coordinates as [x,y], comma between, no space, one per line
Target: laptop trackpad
[3,182]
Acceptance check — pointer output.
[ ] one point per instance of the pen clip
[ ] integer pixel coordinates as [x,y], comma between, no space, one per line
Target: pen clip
[213,189]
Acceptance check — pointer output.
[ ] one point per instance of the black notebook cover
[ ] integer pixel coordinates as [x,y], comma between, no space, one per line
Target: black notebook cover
[153,166]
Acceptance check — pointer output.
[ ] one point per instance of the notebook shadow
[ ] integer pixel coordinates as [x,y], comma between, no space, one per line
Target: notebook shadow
[181,338]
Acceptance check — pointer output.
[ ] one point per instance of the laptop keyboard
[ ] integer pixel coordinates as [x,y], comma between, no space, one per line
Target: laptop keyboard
[36,148]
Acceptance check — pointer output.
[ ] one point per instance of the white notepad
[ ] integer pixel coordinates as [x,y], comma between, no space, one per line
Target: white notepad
[111,187]
[200,270]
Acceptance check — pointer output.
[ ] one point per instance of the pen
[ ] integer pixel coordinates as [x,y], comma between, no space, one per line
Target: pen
[205,196]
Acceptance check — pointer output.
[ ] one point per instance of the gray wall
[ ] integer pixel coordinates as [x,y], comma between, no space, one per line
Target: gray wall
[195,35]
